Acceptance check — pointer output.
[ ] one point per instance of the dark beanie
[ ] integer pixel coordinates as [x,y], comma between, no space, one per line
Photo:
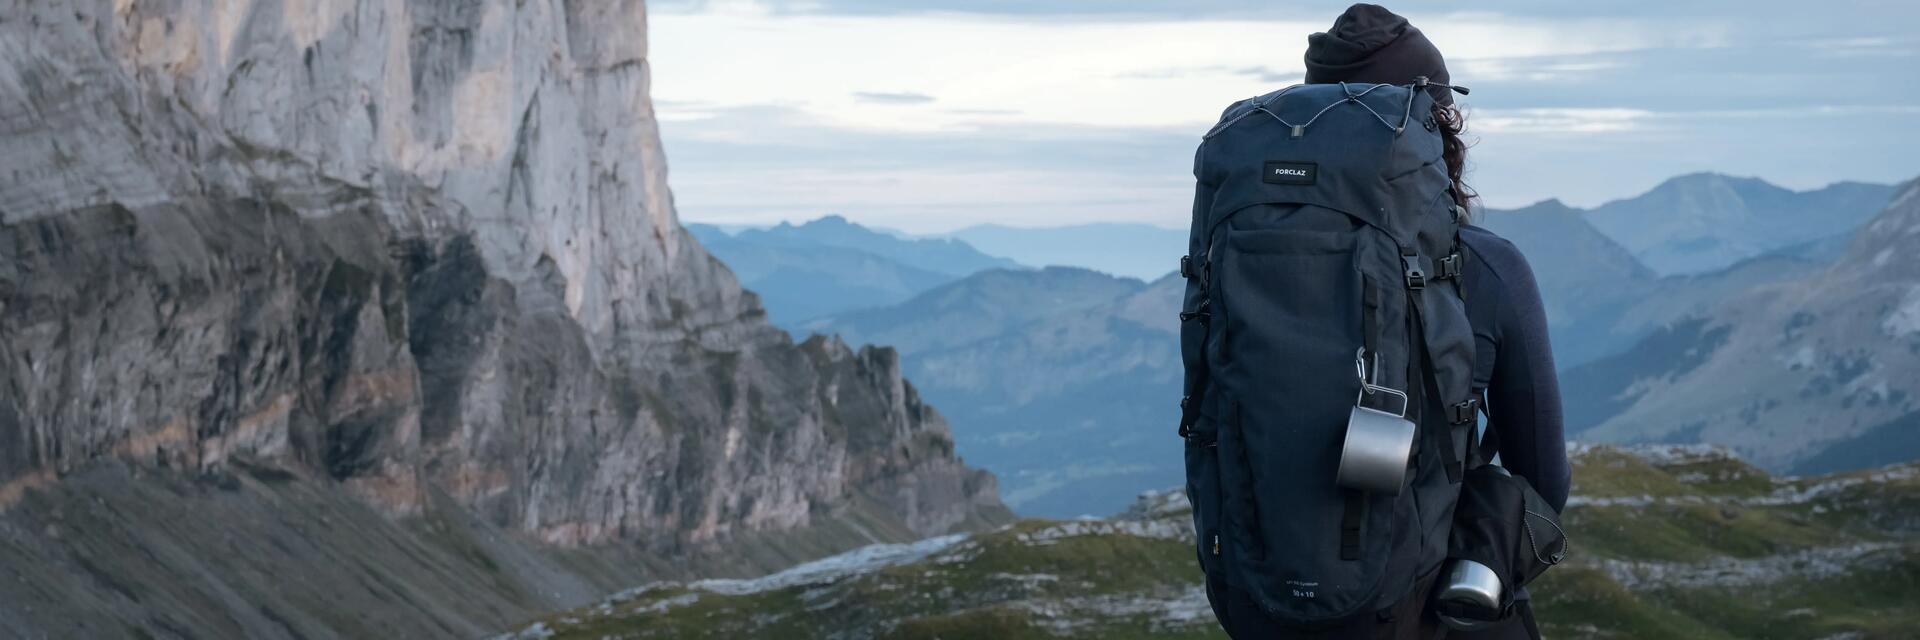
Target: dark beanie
[1370,44]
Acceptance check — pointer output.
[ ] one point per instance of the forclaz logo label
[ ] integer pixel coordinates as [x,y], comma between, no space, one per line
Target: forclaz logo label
[1296,173]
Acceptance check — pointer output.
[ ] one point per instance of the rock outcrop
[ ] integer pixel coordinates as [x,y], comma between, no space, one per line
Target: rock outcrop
[410,248]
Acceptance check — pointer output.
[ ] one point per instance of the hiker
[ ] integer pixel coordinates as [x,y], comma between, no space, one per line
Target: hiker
[1343,325]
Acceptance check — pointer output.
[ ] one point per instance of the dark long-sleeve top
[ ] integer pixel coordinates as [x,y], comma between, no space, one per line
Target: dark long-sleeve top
[1514,363]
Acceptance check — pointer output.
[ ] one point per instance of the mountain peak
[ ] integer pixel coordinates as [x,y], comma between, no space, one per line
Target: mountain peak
[1703,222]
[830,220]
[1549,206]
[1711,177]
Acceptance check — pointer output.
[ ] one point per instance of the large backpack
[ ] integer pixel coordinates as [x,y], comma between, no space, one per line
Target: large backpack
[1324,249]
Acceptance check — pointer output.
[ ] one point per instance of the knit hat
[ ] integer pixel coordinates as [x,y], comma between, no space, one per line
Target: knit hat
[1370,44]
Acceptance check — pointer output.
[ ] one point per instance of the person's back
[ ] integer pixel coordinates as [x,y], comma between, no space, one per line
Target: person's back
[1349,242]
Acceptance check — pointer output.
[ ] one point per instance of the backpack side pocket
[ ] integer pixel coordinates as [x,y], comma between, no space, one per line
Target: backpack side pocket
[1203,491]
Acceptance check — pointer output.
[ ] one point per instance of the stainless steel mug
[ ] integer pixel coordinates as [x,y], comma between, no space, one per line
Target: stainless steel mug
[1375,454]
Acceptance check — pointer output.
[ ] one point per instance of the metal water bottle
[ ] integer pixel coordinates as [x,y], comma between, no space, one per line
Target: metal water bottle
[1472,586]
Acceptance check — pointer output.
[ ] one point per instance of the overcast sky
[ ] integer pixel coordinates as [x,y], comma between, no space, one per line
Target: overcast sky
[934,115]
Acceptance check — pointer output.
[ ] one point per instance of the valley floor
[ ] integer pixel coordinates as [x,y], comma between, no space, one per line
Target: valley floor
[1669,543]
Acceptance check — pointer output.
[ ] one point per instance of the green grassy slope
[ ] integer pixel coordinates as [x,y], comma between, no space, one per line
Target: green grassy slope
[1669,543]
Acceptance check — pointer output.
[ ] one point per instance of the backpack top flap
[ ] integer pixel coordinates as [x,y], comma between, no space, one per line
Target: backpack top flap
[1339,146]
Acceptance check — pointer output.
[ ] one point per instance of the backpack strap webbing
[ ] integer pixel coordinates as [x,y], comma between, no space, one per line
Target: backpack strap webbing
[1460,415]
[1353,518]
[1481,453]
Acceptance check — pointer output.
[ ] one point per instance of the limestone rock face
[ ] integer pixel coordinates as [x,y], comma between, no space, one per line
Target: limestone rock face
[409,246]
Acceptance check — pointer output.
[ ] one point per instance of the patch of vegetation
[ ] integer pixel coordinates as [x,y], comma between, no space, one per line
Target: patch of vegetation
[1685,545]
[1694,532]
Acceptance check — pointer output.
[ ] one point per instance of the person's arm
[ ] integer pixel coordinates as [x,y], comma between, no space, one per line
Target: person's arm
[1523,397]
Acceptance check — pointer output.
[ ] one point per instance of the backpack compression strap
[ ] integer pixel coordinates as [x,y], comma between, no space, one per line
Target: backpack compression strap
[1460,415]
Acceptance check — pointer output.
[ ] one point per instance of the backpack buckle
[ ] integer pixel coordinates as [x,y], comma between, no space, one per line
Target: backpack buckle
[1449,267]
[1416,276]
[1186,267]
[1464,412]
[1186,417]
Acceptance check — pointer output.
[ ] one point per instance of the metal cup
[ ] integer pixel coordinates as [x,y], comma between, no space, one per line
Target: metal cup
[1374,456]
[1472,586]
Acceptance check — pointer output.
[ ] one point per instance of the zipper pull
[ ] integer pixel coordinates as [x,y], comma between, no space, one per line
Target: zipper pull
[1216,544]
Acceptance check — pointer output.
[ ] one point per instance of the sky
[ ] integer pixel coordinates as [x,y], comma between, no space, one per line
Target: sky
[936,115]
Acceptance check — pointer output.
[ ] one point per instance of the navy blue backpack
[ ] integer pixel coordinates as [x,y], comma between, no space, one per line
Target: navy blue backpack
[1322,301]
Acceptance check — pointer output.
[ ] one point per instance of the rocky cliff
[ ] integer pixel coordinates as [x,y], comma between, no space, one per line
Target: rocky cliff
[409,249]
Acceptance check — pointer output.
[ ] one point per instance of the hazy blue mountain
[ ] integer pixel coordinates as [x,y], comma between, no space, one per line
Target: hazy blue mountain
[985,305]
[1815,373]
[940,255]
[1706,221]
[1062,380]
[1601,300]
[798,282]
[1030,365]
[1133,250]
[1586,279]
[831,265]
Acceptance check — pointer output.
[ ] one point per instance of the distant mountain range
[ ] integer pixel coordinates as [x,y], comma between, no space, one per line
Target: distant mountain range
[1814,373]
[1601,300]
[1691,225]
[1141,251]
[1031,364]
[1704,222]
[831,265]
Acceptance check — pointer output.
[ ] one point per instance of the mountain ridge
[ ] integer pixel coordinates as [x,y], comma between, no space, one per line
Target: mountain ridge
[1786,371]
[1705,221]
[829,265]
[1131,250]
[1031,363]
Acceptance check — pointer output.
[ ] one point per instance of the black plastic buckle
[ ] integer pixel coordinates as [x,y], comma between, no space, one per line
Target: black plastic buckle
[1186,419]
[1416,277]
[1186,267]
[1465,412]
[1449,267]
[1190,315]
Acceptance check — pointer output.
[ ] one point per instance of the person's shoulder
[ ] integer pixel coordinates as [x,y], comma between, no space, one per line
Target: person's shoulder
[1499,255]
[1482,239]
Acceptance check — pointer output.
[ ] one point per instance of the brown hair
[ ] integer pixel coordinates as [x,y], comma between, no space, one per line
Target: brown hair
[1452,122]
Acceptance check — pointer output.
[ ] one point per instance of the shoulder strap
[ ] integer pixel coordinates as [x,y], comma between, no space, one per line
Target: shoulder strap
[1487,445]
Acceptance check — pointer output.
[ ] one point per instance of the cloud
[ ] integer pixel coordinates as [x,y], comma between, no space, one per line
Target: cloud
[892,98]
[1759,12]
[1089,70]
[1535,69]
[1270,75]
[1557,121]
[1266,74]
[1057,111]
[1863,46]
